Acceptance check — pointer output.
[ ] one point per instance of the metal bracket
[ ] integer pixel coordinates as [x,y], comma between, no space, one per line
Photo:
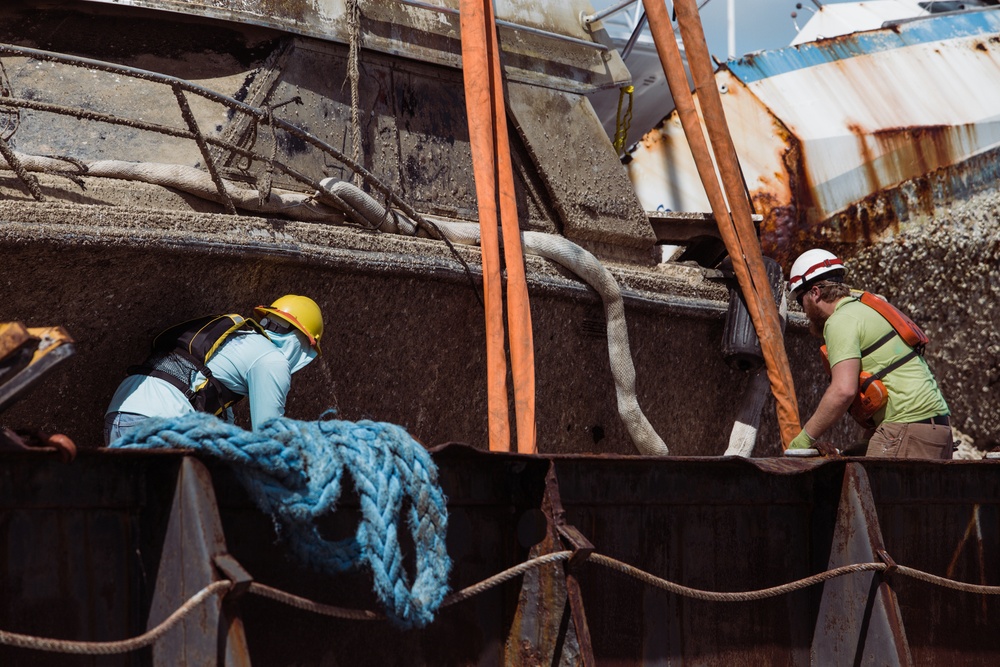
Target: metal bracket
[231,569]
[887,559]
[582,548]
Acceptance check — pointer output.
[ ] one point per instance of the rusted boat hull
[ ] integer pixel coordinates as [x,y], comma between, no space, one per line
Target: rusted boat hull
[106,547]
[844,140]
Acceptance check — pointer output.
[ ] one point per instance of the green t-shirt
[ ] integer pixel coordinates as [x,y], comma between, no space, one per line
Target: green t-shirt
[913,391]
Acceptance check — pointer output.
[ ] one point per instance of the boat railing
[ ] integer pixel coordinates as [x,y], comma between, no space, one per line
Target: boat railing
[181,89]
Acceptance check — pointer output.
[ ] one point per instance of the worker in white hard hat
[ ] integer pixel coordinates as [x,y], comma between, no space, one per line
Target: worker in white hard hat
[210,363]
[877,370]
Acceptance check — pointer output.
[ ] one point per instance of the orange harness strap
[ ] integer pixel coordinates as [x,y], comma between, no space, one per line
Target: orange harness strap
[907,329]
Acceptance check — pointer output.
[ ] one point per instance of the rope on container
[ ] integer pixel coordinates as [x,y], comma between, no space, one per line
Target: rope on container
[114,647]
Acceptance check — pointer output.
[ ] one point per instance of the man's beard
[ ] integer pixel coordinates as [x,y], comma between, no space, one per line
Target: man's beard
[816,324]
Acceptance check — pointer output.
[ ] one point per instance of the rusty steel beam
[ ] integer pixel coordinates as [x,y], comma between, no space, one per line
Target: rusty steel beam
[582,548]
[859,617]
[193,547]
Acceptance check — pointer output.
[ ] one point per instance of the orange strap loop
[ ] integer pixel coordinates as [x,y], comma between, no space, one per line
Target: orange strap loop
[494,178]
[734,221]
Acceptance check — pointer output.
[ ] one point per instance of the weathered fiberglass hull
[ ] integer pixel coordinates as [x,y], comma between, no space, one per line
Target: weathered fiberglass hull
[847,140]
[106,548]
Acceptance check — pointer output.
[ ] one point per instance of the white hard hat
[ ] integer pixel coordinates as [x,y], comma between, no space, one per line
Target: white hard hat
[813,265]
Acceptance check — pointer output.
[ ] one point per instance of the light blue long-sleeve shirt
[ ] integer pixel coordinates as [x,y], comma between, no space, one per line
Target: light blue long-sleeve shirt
[247,363]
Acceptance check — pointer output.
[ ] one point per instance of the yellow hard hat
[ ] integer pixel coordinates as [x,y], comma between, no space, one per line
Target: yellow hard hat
[301,312]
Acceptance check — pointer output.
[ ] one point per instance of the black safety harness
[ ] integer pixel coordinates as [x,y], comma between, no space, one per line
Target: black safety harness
[183,351]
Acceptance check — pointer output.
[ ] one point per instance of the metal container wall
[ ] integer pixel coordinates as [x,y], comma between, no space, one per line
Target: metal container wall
[103,548]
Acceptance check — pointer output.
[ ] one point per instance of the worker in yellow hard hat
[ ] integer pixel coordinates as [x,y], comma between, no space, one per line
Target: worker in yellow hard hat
[210,363]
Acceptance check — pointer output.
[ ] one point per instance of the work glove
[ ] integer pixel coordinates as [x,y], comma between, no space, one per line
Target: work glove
[802,441]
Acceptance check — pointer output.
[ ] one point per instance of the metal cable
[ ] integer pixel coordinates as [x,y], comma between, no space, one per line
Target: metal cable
[948,583]
[29,180]
[354,75]
[506,575]
[148,638]
[122,646]
[258,114]
[364,615]
[310,605]
[741,596]
[745,596]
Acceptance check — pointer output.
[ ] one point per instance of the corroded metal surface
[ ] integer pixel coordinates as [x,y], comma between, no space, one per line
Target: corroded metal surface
[192,543]
[414,137]
[843,139]
[588,188]
[538,54]
[90,547]
[859,616]
[723,526]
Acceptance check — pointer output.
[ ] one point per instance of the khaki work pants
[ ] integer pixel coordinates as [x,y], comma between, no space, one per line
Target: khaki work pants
[911,441]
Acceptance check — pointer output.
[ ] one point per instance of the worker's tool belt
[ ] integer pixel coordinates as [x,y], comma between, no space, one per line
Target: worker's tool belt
[940,420]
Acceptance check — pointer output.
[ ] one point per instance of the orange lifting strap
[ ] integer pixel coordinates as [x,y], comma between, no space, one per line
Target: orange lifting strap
[494,177]
[734,221]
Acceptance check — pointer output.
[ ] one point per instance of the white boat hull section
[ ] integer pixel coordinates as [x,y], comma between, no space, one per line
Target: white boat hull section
[823,126]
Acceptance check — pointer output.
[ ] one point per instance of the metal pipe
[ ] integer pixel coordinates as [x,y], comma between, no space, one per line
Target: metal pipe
[80,114]
[604,13]
[634,37]
[206,154]
[731,27]
[182,84]
[256,113]
[512,26]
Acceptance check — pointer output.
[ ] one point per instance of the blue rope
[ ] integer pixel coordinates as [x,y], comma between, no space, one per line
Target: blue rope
[293,470]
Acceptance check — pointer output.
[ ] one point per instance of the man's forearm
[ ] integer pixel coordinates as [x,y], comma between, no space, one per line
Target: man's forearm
[836,399]
[831,408]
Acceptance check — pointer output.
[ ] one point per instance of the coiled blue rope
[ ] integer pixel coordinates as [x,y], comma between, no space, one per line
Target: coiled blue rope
[293,470]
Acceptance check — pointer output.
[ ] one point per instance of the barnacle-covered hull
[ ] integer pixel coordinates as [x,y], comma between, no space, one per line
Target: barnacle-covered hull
[116,225]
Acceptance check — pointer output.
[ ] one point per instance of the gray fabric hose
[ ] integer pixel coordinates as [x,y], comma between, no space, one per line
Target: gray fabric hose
[567,254]
[192,181]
